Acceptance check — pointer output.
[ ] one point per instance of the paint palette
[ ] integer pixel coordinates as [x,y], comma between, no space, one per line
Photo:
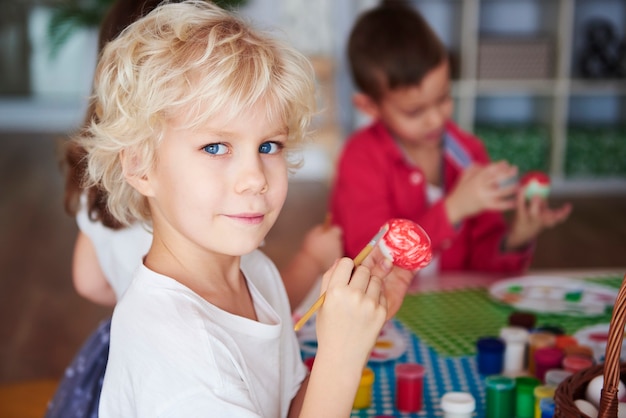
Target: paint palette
[390,344]
[555,295]
[595,337]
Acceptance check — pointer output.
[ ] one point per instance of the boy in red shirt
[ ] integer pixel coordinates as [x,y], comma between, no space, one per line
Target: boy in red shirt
[413,162]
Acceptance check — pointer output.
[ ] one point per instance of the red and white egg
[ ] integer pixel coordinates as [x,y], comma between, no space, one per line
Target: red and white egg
[406,244]
[535,183]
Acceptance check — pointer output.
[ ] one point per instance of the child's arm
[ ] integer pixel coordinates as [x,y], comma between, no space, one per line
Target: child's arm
[87,275]
[320,249]
[531,218]
[348,324]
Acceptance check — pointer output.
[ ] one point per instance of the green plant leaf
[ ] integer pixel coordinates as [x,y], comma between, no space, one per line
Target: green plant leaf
[71,16]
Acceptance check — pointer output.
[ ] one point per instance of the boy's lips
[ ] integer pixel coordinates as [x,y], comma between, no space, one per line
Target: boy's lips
[248,218]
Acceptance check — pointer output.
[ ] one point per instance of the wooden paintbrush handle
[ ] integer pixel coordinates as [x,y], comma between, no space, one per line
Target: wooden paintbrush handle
[318,303]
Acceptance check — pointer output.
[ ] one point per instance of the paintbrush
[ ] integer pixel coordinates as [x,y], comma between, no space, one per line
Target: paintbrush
[357,261]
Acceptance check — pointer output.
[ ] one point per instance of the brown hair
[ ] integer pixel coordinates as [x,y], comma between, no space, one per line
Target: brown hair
[121,14]
[392,46]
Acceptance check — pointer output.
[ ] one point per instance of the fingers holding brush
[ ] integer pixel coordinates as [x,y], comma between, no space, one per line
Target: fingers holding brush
[354,310]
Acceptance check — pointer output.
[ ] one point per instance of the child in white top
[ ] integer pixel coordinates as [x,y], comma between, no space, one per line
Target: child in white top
[107,253]
[197,115]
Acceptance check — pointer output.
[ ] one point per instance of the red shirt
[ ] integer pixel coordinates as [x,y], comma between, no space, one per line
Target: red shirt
[375,182]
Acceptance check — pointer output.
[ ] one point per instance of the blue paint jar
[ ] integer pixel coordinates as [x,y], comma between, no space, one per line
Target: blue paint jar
[490,355]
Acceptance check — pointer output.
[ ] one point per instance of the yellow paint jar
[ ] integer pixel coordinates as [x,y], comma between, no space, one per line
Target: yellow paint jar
[541,392]
[363,398]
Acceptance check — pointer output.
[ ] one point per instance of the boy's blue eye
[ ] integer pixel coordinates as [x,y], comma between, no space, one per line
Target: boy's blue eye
[270,147]
[216,149]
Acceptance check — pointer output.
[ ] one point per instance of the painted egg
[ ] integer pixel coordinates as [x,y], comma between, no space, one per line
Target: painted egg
[406,244]
[535,183]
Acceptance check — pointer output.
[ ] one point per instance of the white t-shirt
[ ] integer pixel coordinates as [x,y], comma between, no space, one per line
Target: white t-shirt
[119,251]
[173,354]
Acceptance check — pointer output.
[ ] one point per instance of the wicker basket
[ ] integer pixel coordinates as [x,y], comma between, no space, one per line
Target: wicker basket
[574,386]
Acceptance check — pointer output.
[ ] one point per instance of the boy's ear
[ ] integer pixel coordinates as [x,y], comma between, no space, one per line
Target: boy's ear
[141,183]
[365,104]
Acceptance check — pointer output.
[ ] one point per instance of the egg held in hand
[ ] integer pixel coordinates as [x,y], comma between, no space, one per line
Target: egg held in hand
[535,183]
[406,244]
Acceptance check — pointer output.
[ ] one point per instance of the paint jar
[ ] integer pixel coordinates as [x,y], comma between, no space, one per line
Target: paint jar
[458,405]
[556,330]
[409,387]
[579,350]
[309,363]
[562,341]
[547,358]
[500,397]
[490,355]
[515,341]
[554,377]
[363,398]
[522,319]
[542,392]
[525,396]
[575,363]
[538,340]
[547,407]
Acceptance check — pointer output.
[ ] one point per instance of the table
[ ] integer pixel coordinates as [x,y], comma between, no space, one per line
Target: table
[441,319]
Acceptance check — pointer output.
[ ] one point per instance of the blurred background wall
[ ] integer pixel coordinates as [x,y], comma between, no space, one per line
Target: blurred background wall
[541,81]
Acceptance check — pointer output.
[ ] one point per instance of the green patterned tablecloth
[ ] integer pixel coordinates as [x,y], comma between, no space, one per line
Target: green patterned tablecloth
[452,321]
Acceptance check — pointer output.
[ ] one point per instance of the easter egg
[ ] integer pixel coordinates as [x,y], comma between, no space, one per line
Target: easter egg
[594,390]
[535,183]
[586,408]
[406,244]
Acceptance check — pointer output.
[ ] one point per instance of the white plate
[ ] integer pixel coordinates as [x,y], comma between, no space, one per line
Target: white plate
[556,295]
[595,337]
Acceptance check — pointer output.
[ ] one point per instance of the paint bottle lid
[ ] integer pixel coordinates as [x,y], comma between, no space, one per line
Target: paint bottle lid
[500,382]
[514,334]
[541,339]
[458,402]
[410,370]
[554,377]
[522,319]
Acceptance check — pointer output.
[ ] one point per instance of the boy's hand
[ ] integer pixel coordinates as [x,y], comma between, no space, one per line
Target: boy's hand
[353,312]
[482,187]
[396,281]
[531,218]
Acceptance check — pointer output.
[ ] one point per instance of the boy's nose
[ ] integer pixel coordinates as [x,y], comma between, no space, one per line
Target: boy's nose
[251,177]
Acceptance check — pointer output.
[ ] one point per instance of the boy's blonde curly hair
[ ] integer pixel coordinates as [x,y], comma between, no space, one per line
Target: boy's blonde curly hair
[189,58]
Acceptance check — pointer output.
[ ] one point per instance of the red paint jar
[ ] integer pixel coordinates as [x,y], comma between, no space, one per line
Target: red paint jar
[409,387]
[575,363]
